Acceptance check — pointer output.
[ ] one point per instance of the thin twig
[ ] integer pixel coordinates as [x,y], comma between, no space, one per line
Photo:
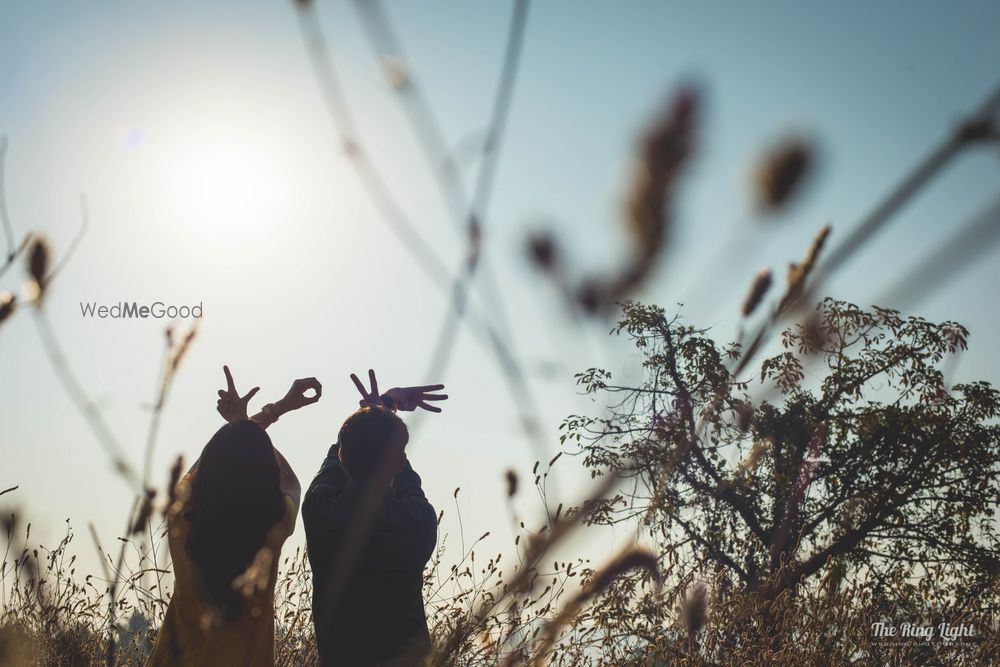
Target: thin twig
[321,59]
[962,137]
[343,120]
[955,254]
[75,243]
[4,217]
[84,404]
[481,196]
[12,250]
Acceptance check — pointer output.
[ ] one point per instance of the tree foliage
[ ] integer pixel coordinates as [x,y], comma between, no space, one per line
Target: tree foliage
[844,453]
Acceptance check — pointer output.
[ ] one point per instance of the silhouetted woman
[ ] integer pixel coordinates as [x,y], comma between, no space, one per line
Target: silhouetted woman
[232,513]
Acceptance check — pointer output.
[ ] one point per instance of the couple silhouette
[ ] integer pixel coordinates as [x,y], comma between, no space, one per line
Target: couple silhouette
[369,533]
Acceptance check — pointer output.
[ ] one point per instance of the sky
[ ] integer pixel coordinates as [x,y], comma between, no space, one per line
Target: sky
[214,176]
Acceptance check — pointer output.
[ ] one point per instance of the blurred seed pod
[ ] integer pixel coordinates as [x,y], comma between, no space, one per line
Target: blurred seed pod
[38,265]
[542,250]
[755,454]
[177,354]
[744,416]
[592,296]
[782,171]
[666,147]
[8,304]
[798,273]
[694,605]
[255,578]
[172,490]
[511,477]
[395,72]
[145,511]
[813,334]
[761,283]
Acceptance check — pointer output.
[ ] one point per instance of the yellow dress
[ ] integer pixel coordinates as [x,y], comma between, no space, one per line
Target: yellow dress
[185,638]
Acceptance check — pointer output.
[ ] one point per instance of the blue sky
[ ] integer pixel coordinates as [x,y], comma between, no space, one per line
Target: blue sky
[214,175]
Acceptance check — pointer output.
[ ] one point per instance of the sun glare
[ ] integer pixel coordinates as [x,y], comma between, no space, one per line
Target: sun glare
[221,182]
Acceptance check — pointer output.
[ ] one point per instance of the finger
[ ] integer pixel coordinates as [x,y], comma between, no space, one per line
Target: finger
[429,408]
[374,383]
[222,394]
[308,383]
[309,400]
[361,387]
[430,387]
[434,397]
[229,378]
[250,394]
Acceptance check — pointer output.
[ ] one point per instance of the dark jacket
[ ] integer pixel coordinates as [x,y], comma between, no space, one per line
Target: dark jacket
[367,600]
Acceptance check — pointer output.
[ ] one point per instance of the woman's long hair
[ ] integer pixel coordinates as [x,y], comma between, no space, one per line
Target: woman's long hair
[235,500]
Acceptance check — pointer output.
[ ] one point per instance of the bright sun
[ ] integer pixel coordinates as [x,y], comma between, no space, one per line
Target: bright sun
[221,181]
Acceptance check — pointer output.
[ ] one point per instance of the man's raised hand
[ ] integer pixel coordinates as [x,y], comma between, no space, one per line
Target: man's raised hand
[369,399]
[399,398]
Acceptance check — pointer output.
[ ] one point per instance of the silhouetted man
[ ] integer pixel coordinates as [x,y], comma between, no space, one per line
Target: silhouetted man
[369,532]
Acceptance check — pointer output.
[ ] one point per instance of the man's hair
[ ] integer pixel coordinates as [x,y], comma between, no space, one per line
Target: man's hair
[366,436]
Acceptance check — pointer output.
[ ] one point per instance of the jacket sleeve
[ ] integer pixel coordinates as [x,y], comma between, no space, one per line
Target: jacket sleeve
[421,527]
[406,484]
[325,488]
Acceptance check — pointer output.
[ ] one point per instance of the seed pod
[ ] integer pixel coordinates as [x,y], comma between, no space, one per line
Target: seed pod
[145,511]
[511,478]
[8,303]
[782,172]
[395,72]
[798,272]
[761,283]
[542,250]
[744,416]
[694,605]
[172,485]
[664,151]
[181,349]
[38,264]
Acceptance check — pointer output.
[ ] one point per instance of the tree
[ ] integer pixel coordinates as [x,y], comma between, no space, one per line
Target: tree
[846,452]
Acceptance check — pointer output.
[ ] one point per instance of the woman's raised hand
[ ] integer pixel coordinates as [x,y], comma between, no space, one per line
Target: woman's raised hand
[231,405]
[296,397]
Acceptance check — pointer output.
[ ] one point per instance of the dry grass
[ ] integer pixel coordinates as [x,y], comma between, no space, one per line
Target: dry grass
[566,614]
